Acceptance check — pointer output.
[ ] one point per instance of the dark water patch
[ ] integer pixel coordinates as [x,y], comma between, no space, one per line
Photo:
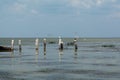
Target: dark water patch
[52,42]
[26,55]
[5,53]
[67,74]
[7,76]
[6,57]
[72,71]
[108,65]
[96,57]
[100,48]
[83,79]
[33,58]
[63,77]
[9,57]
[105,57]
[103,50]
[92,73]
[90,50]
[104,74]
[108,46]
[30,59]
[44,63]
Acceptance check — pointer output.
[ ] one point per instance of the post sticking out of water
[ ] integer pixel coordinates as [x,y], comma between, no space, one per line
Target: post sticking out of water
[61,46]
[20,45]
[60,43]
[75,44]
[12,44]
[44,45]
[37,44]
[60,40]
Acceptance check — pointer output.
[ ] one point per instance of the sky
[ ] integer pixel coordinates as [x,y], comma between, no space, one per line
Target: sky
[53,18]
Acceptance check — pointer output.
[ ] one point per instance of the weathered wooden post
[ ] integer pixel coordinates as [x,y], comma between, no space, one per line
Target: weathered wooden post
[12,44]
[20,45]
[60,43]
[61,46]
[75,45]
[37,44]
[44,46]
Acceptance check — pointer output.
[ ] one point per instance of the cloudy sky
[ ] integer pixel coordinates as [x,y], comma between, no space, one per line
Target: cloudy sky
[51,18]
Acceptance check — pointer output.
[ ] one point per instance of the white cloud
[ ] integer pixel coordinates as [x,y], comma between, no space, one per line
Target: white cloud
[99,2]
[23,7]
[88,3]
[17,7]
[74,3]
[80,3]
[114,0]
[36,6]
[79,6]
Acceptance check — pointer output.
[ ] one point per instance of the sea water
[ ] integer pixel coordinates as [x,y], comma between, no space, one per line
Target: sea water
[91,61]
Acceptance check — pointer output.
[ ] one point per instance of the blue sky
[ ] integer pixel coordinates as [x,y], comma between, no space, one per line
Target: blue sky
[51,18]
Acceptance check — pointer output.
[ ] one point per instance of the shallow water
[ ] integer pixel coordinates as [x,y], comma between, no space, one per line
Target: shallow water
[90,62]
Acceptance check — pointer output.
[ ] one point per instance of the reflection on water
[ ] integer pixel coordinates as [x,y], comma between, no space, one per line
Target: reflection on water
[20,51]
[90,62]
[12,54]
[37,52]
[75,56]
[44,53]
[36,58]
[60,55]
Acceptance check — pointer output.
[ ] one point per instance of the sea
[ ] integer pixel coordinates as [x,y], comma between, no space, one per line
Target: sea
[95,59]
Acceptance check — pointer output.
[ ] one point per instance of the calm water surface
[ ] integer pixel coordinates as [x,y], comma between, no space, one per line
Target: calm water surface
[90,62]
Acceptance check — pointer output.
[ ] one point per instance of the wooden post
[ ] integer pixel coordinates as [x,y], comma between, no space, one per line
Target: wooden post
[12,44]
[44,46]
[60,40]
[20,45]
[61,46]
[75,44]
[37,44]
[60,43]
